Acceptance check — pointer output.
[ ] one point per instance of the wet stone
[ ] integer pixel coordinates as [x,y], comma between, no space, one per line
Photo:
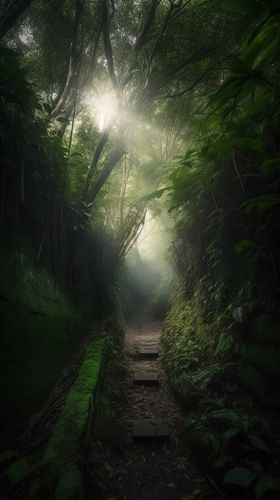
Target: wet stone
[149,379]
[149,431]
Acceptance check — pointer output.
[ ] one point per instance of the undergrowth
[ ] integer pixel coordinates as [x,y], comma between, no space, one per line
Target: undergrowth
[221,336]
[230,435]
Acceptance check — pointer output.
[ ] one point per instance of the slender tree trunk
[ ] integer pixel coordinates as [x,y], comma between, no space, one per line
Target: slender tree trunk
[63,126]
[72,126]
[116,155]
[96,156]
[126,167]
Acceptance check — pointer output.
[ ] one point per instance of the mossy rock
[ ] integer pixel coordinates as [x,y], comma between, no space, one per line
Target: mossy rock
[264,331]
[265,358]
[71,431]
[74,421]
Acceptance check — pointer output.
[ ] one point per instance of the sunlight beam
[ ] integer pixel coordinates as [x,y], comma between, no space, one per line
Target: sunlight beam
[105,108]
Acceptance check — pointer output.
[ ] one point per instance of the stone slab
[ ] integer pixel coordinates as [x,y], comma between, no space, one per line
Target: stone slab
[149,379]
[150,430]
[148,353]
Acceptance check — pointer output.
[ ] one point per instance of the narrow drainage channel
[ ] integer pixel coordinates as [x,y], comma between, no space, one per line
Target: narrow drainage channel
[148,462]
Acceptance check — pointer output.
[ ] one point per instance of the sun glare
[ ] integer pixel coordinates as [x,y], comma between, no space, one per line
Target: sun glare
[105,109]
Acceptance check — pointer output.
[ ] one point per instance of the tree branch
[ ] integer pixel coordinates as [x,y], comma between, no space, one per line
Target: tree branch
[105,22]
[172,6]
[197,81]
[142,39]
[92,63]
[72,61]
[158,81]
[132,225]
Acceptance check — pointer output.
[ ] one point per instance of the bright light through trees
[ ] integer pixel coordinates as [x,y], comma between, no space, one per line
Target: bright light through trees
[105,108]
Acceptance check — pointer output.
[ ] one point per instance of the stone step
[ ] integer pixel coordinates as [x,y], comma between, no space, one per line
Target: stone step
[145,431]
[147,347]
[148,342]
[147,353]
[149,379]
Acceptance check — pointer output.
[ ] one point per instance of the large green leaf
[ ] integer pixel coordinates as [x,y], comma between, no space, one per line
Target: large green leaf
[62,119]
[240,476]
[231,432]
[258,443]
[227,415]
[229,89]
[262,203]
[266,485]
[265,47]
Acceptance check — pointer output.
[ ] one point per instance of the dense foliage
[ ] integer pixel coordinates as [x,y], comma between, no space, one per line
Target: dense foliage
[222,332]
[116,113]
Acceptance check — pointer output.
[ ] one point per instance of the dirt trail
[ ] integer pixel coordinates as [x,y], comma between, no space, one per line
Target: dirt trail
[150,471]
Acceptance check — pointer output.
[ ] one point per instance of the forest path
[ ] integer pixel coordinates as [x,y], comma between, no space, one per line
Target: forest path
[150,470]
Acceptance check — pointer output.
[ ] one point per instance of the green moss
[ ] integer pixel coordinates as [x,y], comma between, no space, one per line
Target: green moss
[73,423]
[264,357]
[61,478]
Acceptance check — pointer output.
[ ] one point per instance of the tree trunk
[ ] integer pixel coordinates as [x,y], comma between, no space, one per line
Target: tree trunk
[96,156]
[116,155]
